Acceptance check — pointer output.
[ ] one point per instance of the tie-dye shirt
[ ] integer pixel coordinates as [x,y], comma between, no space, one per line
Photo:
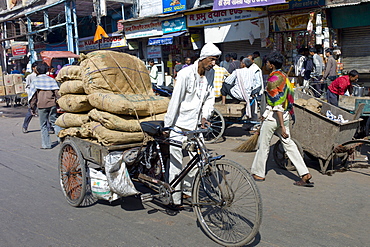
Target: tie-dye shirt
[280,91]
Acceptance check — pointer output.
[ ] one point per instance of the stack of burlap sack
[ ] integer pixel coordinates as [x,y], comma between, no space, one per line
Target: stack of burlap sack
[106,98]
[311,104]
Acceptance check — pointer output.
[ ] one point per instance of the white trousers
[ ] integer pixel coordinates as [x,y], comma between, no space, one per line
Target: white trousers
[176,160]
[268,129]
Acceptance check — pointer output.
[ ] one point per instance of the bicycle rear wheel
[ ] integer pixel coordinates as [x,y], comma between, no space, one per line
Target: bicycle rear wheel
[227,203]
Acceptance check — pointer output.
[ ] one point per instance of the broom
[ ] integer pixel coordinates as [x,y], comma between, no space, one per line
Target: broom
[250,144]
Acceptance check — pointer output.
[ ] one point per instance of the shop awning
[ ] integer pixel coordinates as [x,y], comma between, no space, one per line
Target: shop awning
[166,39]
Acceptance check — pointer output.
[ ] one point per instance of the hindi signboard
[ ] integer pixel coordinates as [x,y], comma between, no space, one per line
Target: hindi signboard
[237,4]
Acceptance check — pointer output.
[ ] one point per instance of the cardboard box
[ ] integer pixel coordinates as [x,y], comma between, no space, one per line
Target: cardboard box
[8,80]
[10,90]
[1,80]
[2,90]
[17,78]
[19,88]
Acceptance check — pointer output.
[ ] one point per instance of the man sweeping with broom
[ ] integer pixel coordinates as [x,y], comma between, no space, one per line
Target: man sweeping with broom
[276,120]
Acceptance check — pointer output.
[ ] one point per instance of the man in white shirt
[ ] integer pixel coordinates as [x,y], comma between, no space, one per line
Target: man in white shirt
[243,83]
[191,104]
[29,79]
[153,74]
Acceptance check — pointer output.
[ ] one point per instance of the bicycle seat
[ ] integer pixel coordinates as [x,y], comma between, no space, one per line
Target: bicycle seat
[152,128]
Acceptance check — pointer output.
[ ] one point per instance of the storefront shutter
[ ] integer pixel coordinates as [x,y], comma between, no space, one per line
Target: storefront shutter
[355,49]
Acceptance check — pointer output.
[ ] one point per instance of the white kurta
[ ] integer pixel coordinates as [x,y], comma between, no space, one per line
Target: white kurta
[192,99]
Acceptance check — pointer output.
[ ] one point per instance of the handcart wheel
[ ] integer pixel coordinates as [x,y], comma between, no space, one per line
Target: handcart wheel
[72,173]
[355,153]
[218,127]
[281,158]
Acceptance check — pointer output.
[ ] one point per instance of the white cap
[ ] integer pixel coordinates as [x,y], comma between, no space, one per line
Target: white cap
[209,50]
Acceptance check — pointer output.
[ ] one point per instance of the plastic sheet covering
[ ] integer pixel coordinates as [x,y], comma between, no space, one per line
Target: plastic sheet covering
[118,178]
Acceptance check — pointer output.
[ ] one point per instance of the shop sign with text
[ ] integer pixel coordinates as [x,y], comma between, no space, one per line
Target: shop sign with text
[173,5]
[141,30]
[296,4]
[282,23]
[237,4]
[222,16]
[19,50]
[174,25]
[154,52]
[105,43]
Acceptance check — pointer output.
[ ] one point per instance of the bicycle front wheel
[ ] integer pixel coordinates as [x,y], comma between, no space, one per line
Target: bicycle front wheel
[227,203]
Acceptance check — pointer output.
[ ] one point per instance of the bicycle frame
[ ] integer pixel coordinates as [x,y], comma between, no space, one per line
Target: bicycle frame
[201,158]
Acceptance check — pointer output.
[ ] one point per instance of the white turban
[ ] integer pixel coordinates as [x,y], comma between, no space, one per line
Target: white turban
[209,50]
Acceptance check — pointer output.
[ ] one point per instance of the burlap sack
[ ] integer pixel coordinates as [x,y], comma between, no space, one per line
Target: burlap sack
[72,87]
[110,71]
[313,102]
[127,104]
[71,72]
[75,131]
[301,102]
[121,123]
[74,103]
[111,137]
[67,120]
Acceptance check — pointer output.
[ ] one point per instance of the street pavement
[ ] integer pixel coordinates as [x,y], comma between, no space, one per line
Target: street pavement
[34,212]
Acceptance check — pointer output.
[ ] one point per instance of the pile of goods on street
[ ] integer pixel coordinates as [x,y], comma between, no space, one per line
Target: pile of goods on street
[106,97]
[314,105]
[11,84]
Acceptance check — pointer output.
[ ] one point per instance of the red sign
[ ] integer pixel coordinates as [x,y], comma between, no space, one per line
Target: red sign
[20,50]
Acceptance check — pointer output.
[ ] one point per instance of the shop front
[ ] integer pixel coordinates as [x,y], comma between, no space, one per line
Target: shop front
[353,27]
[234,30]
[298,24]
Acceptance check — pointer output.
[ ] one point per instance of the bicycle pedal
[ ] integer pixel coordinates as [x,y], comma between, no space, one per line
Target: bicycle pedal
[146,197]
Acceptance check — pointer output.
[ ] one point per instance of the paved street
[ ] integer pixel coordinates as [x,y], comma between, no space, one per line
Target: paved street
[34,212]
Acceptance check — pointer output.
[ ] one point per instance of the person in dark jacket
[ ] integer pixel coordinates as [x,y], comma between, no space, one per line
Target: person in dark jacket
[44,92]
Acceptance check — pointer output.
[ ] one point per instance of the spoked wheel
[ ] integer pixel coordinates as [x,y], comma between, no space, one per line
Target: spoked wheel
[72,173]
[227,203]
[218,127]
[354,154]
[281,158]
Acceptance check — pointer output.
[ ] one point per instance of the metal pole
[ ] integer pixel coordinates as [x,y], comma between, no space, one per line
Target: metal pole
[75,24]
[69,23]
[31,45]
[4,48]
[46,19]
[123,11]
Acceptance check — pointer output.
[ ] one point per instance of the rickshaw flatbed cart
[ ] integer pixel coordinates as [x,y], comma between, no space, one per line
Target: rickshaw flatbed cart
[75,156]
[326,140]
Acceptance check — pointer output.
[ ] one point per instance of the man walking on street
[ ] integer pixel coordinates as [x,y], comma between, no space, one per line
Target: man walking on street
[191,104]
[44,93]
[276,120]
[29,115]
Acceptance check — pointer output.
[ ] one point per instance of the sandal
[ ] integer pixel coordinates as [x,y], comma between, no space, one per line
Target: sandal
[258,178]
[305,182]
